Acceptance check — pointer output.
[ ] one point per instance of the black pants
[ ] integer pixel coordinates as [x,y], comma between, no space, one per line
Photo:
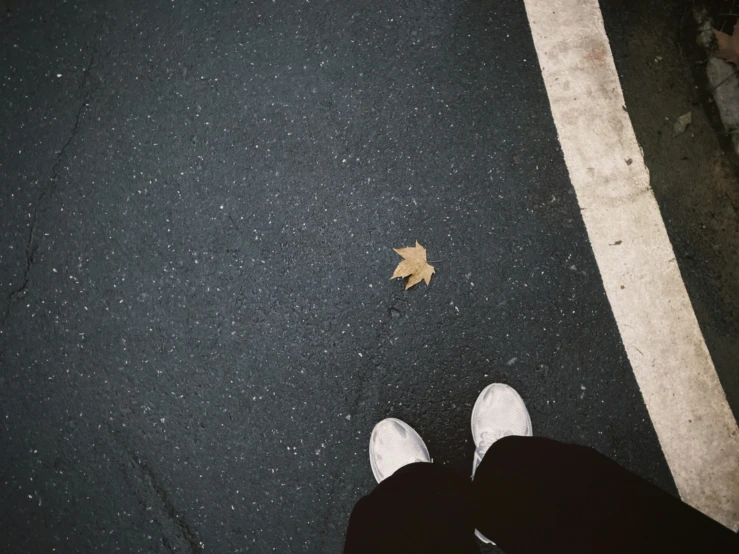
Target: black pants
[530,495]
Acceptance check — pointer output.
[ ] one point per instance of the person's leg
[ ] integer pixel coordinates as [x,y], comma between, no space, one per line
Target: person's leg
[498,412]
[533,495]
[421,508]
[418,506]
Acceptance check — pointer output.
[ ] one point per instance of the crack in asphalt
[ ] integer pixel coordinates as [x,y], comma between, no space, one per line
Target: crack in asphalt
[31,242]
[144,483]
[184,530]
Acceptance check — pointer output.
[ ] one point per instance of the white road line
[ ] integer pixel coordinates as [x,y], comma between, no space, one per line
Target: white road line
[678,381]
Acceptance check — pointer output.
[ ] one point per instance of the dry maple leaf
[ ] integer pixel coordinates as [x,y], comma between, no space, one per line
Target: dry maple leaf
[414,266]
[728,45]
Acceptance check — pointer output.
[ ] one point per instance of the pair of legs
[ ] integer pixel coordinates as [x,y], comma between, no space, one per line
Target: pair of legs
[528,495]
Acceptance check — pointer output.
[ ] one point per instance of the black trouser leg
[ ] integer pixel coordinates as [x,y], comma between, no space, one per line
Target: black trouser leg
[535,495]
[531,496]
[420,508]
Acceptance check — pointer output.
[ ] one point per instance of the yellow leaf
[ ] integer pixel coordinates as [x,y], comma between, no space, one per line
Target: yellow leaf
[414,266]
[728,46]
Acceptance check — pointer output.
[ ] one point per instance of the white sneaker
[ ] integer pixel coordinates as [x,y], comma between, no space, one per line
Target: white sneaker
[499,412]
[395,444]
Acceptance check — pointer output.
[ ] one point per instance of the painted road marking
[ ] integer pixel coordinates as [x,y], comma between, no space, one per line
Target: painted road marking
[672,365]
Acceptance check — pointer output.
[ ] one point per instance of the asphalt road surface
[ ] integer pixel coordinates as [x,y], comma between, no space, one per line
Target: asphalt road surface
[199,206]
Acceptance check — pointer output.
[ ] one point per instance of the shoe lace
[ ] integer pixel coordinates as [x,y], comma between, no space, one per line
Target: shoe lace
[487,439]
